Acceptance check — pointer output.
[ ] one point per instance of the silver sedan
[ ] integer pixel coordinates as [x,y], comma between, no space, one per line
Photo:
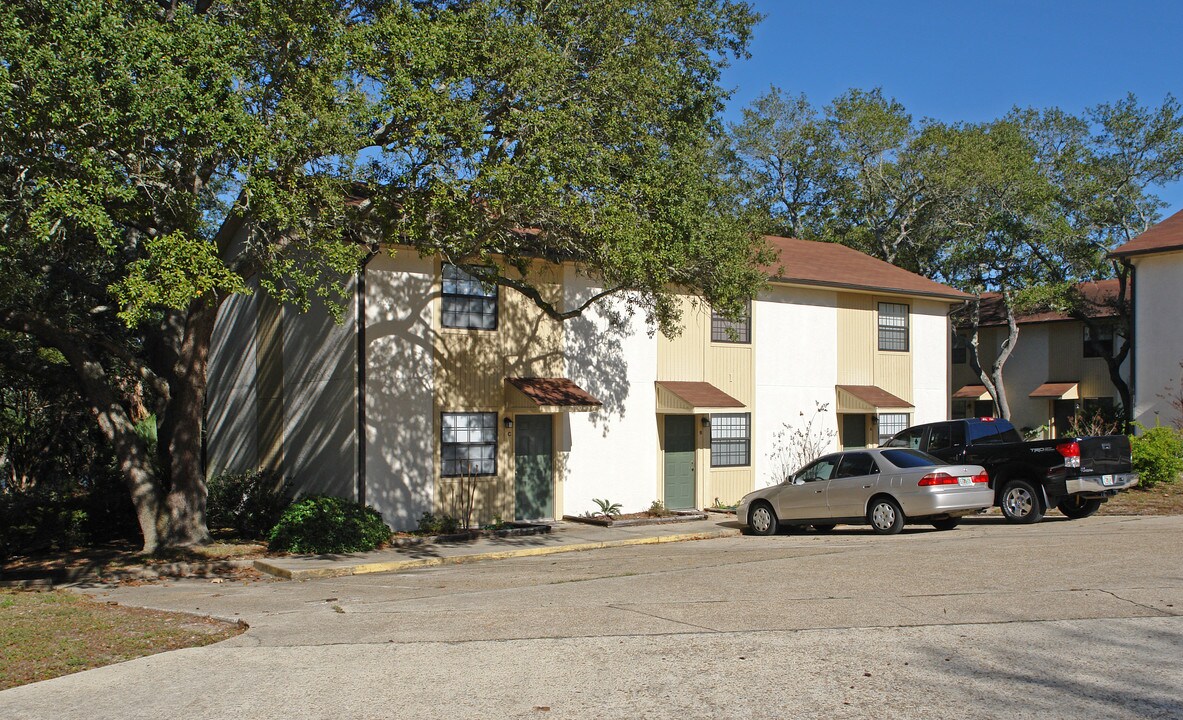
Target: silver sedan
[882,487]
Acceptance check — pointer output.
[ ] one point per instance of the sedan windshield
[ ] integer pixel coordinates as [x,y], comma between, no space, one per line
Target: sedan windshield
[910,458]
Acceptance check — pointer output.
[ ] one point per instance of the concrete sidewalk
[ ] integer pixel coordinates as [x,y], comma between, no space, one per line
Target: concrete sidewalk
[563,537]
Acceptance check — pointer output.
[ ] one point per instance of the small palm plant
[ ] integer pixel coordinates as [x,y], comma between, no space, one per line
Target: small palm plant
[607,509]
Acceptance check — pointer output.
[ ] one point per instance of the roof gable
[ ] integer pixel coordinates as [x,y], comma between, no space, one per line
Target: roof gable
[1163,237]
[807,262]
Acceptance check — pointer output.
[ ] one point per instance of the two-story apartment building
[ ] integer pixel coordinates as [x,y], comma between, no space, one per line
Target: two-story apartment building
[1157,258]
[1055,370]
[440,393]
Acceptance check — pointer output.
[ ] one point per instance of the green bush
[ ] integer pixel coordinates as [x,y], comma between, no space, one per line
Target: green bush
[322,524]
[250,503]
[432,524]
[1158,455]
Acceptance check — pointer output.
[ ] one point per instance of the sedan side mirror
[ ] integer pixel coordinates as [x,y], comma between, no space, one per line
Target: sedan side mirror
[798,481]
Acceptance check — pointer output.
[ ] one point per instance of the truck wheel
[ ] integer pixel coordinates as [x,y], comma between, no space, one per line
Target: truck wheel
[1078,507]
[1020,502]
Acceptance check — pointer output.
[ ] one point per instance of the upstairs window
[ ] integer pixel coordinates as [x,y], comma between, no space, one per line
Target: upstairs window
[467,302]
[724,329]
[960,349]
[731,440]
[893,327]
[1100,346]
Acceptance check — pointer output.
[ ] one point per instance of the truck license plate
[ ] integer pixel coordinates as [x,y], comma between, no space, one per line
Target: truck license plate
[965,481]
[1108,480]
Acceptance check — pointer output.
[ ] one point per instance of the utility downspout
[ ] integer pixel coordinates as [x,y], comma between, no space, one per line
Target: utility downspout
[360,289]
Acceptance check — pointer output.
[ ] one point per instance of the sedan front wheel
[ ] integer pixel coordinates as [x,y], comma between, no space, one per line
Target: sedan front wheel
[762,519]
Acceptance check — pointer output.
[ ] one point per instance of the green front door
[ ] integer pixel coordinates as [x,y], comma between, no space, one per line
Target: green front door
[679,462]
[534,497]
[854,431]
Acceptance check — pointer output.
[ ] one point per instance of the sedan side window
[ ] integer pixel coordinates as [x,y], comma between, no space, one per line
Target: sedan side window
[820,470]
[856,465]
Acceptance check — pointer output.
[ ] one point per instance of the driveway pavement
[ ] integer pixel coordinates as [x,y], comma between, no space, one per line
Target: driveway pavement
[1056,620]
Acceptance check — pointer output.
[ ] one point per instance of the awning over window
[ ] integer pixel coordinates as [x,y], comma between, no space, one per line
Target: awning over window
[972,392]
[693,397]
[1058,390]
[868,399]
[548,395]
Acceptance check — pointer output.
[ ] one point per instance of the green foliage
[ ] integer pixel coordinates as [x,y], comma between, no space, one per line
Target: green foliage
[1158,455]
[323,524]
[432,524]
[607,509]
[658,509]
[251,503]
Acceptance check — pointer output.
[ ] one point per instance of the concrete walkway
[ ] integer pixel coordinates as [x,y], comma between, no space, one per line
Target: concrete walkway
[564,537]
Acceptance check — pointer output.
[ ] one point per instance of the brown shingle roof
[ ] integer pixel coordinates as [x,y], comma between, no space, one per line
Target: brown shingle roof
[971,392]
[1053,390]
[555,392]
[875,396]
[1163,237]
[700,394]
[1100,298]
[832,265]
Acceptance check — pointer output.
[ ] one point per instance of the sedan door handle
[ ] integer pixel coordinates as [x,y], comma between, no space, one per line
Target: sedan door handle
[818,491]
[867,486]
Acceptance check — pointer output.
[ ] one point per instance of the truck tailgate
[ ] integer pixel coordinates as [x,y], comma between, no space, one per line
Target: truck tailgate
[1104,455]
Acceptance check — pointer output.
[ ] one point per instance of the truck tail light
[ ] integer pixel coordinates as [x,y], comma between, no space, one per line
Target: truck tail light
[982,477]
[937,478]
[1070,451]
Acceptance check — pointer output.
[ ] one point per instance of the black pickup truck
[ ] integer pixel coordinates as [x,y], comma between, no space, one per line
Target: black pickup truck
[1075,475]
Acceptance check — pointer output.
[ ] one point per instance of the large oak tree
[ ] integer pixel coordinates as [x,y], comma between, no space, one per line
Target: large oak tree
[159,157]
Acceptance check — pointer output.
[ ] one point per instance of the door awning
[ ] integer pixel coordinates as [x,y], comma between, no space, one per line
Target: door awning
[548,395]
[972,392]
[682,398]
[868,399]
[1057,390]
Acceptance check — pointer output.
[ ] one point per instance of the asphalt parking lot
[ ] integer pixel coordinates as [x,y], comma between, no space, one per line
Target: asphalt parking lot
[1060,619]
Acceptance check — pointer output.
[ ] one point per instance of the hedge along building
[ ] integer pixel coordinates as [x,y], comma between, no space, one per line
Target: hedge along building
[472,395]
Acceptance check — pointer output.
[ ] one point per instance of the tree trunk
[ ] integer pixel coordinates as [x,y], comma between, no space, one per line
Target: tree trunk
[180,431]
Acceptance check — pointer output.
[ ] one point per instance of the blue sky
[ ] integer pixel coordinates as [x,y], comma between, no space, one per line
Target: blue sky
[968,60]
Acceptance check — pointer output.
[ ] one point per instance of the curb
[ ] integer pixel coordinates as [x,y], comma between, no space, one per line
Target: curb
[397,565]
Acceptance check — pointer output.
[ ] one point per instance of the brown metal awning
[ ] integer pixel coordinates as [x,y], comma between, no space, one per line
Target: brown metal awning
[548,395]
[868,399]
[1058,390]
[692,397]
[972,392]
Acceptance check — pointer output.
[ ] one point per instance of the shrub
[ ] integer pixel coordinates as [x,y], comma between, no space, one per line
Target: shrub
[250,503]
[432,524]
[658,509]
[1158,455]
[322,524]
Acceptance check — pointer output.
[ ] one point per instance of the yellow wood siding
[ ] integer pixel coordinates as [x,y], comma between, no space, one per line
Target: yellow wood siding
[469,373]
[693,357]
[857,339]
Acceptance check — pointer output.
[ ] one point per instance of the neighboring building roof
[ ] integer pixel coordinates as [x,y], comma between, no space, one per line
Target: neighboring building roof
[1163,237]
[1066,390]
[807,262]
[972,392]
[1099,296]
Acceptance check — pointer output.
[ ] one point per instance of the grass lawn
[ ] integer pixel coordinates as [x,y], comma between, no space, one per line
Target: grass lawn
[47,634]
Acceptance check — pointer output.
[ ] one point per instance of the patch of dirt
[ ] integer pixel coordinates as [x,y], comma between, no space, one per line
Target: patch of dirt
[1162,499]
[123,562]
